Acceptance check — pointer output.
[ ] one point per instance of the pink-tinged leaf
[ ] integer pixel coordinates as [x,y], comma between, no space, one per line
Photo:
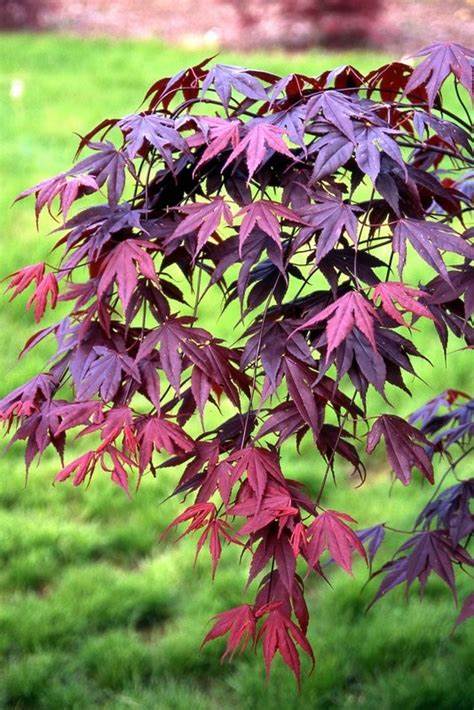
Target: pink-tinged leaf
[260,465]
[329,531]
[72,189]
[220,133]
[467,611]
[66,187]
[120,266]
[393,292]
[349,311]
[239,623]
[214,530]
[264,214]
[442,59]
[81,468]
[47,287]
[117,471]
[260,138]
[279,633]
[158,434]
[404,444]
[197,515]
[203,219]
[21,279]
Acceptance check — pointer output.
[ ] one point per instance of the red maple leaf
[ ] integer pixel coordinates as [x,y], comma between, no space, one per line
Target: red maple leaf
[329,532]
[239,623]
[404,444]
[80,467]
[259,139]
[199,515]
[48,286]
[65,187]
[121,265]
[279,633]
[157,433]
[260,465]
[263,214]
[350,310]
[221,133]
[21,279]
[203,218]
[404,295]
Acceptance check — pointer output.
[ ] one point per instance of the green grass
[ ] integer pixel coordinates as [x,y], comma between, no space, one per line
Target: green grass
[95,610]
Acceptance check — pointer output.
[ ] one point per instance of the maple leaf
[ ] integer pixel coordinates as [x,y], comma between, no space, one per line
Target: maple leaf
[186,80]
[65,186]
[117,421]
[467,610]
[157,433]
[81,468]
[225,77]
[372,538]
[173,335]
[371,140]
[337,108]
[260,464]
[333,150]
[239,623]
[299,380]
[119,460]
[332,216]
[329,532]
[155,129]
[260,138]
[442,58]
[429,551]
[21,279]
[349,311]
[103,373]
[121,264]
[263,214]
[391,292]
[221,133]
[428,238]
[198,516]
[404,445]
[48,286]
[452,510]
[214,530]
[107,166]
[203,218]
[279,633]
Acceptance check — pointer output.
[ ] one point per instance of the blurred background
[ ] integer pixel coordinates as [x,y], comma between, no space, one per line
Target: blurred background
[291,24]
[95,610]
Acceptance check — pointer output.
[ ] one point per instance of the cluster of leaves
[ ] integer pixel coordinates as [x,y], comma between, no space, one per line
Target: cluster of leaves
[291,197]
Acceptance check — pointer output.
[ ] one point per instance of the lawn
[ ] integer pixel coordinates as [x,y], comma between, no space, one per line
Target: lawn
[96,611]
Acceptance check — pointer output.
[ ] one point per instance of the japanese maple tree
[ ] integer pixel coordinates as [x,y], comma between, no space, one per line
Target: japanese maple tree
[297,200]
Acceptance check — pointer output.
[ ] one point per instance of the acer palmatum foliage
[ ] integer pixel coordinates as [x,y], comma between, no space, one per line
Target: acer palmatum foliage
[300,198]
